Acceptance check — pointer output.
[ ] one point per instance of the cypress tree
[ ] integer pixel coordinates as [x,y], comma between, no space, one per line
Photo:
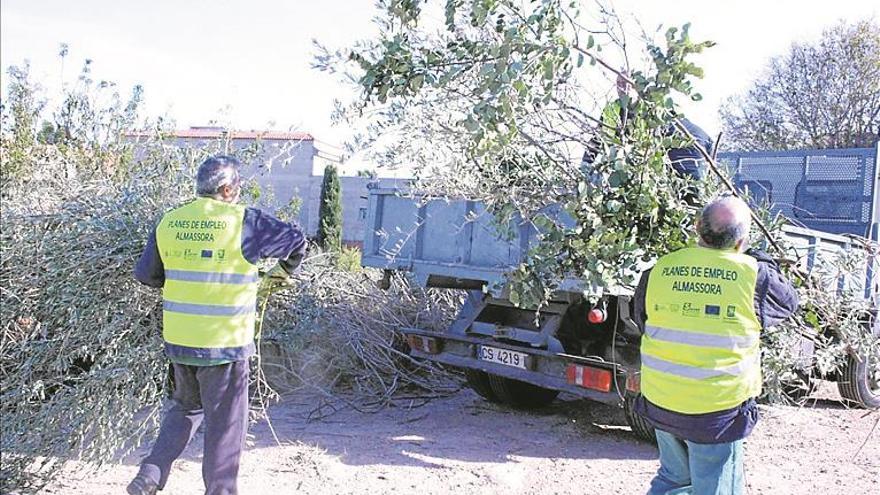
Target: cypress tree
[330,219]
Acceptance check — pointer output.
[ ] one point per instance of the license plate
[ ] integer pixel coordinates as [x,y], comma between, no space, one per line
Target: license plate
[503,356]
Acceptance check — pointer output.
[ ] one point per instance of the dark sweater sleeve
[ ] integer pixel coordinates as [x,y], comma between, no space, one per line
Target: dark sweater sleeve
[639,312]
[265,236]
[149,269]
[775,297]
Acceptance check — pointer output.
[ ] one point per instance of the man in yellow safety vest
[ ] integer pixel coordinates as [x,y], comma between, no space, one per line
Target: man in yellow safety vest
[701,310]
[204,256]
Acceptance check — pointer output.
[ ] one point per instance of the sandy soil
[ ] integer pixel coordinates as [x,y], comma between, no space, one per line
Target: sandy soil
[461,444]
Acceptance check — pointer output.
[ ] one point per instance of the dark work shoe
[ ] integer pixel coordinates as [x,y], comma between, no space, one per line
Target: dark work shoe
[141,485]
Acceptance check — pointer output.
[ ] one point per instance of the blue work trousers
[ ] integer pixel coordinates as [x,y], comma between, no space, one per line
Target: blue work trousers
[697,468]
[219,396]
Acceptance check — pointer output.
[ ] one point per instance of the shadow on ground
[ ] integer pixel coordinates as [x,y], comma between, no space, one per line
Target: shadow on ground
[462,427]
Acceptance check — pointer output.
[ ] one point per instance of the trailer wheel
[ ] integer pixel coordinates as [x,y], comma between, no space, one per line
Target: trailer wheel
[640,426]
[520,394]
[859,381]
[478,381]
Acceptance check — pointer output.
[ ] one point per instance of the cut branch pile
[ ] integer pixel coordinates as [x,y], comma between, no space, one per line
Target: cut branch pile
[81,352]
[334,330]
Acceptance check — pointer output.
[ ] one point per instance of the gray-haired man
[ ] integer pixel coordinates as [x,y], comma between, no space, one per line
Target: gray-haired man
[702,310]
[203,255]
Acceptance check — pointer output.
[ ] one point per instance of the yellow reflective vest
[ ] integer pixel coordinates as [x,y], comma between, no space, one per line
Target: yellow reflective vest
[700,350]
[210,292]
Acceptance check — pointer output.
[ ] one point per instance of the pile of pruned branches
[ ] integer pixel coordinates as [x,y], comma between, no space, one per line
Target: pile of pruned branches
[81,357]
[81,352]
[335,330]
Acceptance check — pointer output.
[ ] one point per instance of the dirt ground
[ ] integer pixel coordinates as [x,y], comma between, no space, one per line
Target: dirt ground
[462,444]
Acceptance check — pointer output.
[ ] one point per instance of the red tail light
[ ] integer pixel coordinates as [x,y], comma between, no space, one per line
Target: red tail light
[596,316]
[634,382]
[587,377]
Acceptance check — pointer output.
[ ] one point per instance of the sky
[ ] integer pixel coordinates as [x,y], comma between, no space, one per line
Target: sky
[249,62]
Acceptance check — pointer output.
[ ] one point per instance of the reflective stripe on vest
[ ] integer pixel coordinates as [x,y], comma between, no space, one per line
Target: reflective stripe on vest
[209,309]
[700,349]
[210,291]
[699,339]
[694,372]
[212,277]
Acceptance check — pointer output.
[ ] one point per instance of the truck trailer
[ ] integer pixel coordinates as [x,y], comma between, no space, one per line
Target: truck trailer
[523,358]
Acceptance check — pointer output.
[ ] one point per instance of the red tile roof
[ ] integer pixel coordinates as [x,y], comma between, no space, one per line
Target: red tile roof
[218,133]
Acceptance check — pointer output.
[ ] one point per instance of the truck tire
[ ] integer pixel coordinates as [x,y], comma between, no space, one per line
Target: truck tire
[640,426]
[859,382]
[520,394]
[478,381]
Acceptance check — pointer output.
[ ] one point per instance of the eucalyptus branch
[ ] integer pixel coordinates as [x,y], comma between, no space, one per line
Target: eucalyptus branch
[606,65]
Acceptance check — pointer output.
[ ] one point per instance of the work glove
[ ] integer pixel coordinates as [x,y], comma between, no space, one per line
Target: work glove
[278,275]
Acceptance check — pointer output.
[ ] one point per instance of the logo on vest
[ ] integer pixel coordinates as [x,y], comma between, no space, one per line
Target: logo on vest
[672,308]
[712,310]
[176,253]
[688,309]
[731,311]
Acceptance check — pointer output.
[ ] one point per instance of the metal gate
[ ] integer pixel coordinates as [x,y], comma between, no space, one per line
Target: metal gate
[828,190]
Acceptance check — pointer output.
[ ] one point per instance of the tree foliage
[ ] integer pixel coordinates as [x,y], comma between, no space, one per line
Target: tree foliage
[20,111]
[824,94]
[493,105]
[88,126]
[330,218]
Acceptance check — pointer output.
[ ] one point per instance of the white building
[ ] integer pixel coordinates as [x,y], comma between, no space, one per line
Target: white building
[288,165]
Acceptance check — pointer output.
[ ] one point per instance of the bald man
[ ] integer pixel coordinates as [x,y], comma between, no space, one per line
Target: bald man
[701,311]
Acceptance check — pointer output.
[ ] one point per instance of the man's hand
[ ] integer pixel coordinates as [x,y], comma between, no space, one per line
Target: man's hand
[278,275]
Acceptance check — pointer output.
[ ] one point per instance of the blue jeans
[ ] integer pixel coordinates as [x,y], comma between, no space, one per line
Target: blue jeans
[697,468]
